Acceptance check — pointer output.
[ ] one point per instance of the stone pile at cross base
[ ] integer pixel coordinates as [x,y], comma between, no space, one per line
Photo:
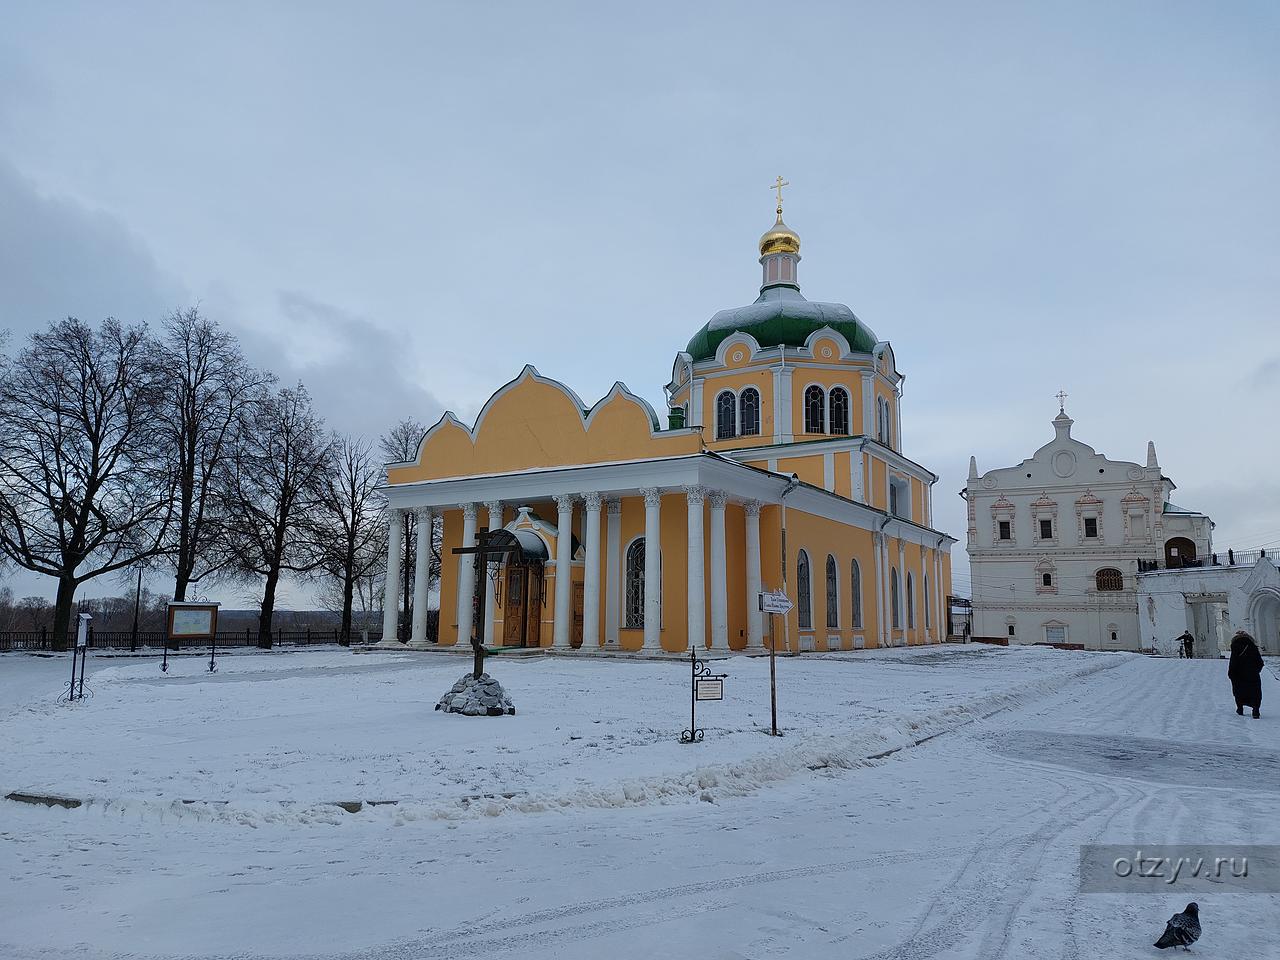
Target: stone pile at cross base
[483,697]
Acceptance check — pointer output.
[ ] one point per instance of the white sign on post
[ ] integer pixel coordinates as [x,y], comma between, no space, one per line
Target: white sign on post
[711,688]
[775,602]
[82,631]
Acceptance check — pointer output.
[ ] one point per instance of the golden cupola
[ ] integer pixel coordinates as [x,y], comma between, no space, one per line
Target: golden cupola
[779,238]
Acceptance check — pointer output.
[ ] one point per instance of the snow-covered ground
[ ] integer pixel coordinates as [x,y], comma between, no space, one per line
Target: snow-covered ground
[923,803]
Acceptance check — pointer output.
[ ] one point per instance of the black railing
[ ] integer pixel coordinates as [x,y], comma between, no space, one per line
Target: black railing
[147,640]
[1232,558]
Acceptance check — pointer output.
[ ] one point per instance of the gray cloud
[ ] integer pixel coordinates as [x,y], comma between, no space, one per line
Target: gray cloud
[59,258]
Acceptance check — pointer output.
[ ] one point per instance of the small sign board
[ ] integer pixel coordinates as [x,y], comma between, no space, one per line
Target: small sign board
[775,602]
[193,621]
[711,689]
[82,631]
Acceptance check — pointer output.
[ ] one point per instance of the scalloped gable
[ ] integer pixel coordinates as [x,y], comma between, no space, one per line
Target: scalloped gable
[535,422]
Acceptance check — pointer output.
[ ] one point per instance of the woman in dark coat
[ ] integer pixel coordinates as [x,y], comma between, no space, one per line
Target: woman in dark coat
[1245,671]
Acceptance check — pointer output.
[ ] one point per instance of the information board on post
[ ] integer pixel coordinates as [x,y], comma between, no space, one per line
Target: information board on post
[193,621]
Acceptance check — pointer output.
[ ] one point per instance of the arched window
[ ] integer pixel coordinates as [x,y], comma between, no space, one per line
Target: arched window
[884,427]
[911,602]
[894,600]
[749,412]
[804,592]
[855,592]
[726,415]
[833,593]
[1109,579]
[839,410]
[815,416]
[635,585]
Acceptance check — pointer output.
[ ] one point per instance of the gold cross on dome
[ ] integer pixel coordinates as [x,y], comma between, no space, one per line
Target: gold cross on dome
[1062,401]
[778,185]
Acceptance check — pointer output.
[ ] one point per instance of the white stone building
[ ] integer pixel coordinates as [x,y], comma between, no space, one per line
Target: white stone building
[1225,593]
[1055,544]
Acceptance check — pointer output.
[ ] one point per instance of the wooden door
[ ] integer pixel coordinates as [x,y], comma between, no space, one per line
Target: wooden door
[533,608]
[513,607]
[575,637]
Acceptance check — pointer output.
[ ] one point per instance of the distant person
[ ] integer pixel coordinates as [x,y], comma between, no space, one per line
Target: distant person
[1245,671]
[1188,648]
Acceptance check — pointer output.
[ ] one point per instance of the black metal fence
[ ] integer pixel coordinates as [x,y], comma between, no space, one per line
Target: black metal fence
[147,640]
[1232,558]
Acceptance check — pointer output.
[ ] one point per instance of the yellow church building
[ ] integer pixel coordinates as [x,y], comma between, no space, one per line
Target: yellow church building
[779,466]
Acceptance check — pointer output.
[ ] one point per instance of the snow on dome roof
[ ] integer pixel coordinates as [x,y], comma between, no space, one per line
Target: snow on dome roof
[781,316]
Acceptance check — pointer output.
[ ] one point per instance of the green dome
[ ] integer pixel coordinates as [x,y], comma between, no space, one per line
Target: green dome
[781,316]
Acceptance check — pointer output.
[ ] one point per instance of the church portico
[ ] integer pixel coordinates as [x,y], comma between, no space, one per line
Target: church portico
[587,578]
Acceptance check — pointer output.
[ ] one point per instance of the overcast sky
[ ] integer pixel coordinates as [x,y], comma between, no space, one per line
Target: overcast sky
[402,204]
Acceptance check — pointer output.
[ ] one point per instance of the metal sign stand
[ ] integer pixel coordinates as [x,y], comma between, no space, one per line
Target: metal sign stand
[79,652]
[703,685]
[774,603]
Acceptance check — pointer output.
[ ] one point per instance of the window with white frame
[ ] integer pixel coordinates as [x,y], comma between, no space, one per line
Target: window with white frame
[895,598]
[749,412]
[900,497]
[1055,633]
[804,591]
[833,593]
[838,401]
[634,615]
[911,601]
[855,591]
[815,410]
[726,415]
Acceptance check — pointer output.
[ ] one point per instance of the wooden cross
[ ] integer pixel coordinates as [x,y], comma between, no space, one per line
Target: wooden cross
[1062,401]
[778,185]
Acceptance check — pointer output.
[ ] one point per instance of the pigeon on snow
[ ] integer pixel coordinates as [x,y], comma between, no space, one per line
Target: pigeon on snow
[1182,929]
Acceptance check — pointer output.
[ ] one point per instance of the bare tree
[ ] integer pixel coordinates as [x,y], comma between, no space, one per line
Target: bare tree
[207,386]
[277,476]
[83,485]
[400,445]
[351,522]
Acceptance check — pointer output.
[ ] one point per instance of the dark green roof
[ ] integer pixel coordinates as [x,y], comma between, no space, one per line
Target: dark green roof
[781,316]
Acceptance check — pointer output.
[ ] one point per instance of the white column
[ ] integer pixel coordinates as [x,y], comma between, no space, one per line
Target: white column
[591,578]
[755,619]
[939,595]
[467,575]
[882,575]
[391,601]
[926,597]
[902,590]
[897,419]
[696,496]
[564,576]
[782,425]
[613,574]
[855,475]
[421,574]
[868,405]
[490,602]
[719,575]
[652,567]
